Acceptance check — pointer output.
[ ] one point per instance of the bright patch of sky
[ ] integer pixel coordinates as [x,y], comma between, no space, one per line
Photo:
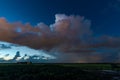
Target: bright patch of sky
[8,53]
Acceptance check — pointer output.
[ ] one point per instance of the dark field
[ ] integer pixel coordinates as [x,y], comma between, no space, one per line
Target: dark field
[58,72]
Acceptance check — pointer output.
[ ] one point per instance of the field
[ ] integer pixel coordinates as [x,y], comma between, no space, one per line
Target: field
[55,72]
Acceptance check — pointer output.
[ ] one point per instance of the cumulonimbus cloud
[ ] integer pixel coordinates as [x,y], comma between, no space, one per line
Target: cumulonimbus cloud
[66,29]
[69,34]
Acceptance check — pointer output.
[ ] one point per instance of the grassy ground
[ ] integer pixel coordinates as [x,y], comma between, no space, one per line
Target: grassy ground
[51,71]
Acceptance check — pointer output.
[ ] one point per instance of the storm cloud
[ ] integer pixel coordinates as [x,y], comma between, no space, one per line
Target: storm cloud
[70,39]
[66,29]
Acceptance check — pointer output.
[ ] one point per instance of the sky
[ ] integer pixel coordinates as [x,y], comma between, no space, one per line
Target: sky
[71,30]
[104,14]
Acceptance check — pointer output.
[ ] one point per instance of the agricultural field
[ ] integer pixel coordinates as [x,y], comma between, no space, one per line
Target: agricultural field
[58,72]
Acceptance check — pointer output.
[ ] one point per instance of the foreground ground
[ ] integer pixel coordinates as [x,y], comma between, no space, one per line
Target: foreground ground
[58,72]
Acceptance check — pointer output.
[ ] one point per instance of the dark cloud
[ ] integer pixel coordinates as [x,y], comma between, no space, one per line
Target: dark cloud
[16,56]
[6,55]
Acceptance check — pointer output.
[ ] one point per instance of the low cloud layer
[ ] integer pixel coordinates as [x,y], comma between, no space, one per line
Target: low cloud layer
[70,39]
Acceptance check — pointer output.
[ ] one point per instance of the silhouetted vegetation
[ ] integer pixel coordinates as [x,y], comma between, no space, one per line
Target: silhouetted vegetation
[54,72]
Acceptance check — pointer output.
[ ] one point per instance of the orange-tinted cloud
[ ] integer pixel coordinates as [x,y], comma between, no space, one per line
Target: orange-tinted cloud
[66,29]
[69,34]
